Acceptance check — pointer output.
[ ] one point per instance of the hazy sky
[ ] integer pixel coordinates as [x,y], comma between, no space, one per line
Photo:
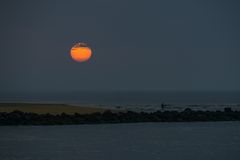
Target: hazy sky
[137,45]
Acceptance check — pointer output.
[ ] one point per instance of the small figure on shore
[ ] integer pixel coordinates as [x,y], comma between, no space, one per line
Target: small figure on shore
[163,106]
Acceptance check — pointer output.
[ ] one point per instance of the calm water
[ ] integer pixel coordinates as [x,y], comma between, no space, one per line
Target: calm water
[126,98]
[136,101]
[168,141]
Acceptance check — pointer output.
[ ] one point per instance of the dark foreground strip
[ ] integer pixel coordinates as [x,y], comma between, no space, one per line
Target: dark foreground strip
[188,115]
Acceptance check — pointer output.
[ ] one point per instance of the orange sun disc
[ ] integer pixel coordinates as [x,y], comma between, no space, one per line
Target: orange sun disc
[80,52]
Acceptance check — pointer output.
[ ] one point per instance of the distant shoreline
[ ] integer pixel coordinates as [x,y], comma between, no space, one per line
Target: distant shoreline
[61,114]
[52,108]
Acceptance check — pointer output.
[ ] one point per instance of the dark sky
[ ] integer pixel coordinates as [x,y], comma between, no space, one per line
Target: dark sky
[137,45]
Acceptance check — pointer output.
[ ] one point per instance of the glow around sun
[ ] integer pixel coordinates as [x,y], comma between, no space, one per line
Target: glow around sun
[81,52]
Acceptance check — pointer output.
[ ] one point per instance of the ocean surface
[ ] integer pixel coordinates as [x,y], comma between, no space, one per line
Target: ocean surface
[127,97]
[135,100]
[140,141]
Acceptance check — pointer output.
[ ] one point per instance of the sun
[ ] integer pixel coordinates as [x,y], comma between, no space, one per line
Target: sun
[81,52]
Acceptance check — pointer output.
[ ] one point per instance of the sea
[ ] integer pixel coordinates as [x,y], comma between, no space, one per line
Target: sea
[137,141]
[148,101]
[132,141]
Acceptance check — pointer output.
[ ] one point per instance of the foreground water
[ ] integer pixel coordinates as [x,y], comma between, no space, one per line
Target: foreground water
[168,141]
